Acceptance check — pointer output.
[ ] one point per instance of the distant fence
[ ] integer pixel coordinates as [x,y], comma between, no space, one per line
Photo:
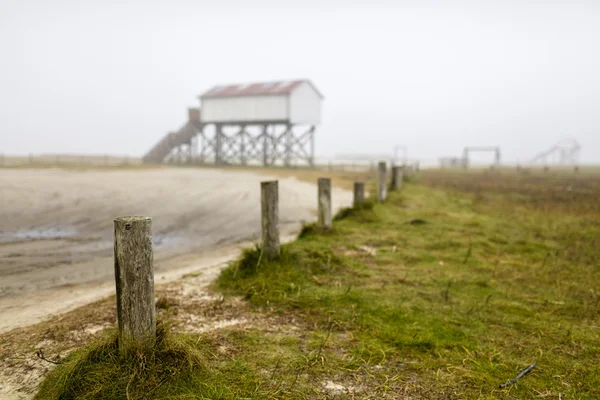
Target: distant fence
[321,164]
[67,160]
[133,257]
[114,161]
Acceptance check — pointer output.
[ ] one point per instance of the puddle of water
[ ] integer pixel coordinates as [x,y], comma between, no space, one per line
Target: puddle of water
[55,232]
[159,242]
[166,241]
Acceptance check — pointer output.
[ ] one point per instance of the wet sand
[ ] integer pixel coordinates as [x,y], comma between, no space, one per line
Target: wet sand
[56,228]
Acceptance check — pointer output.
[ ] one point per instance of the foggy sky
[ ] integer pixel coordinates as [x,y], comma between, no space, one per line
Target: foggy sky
[114,76]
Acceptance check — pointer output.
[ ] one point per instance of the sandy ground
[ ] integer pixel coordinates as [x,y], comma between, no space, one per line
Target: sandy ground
[56,228]
[20,369]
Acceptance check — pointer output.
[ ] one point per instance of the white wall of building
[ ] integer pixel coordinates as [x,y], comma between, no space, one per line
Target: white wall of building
[245,108]
[302,106]
[305,105]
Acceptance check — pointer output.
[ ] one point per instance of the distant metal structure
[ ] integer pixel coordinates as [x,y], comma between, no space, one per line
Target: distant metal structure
[467,150]
[262,123]
[565,152]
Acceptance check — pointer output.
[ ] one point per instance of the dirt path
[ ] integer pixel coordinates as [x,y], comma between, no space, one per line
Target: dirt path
[56,228]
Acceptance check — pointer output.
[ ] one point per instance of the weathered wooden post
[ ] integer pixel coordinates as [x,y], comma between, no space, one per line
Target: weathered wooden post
[325,218]
[359,194]
[269,192]
[397,178]
[382,182]
[134,277]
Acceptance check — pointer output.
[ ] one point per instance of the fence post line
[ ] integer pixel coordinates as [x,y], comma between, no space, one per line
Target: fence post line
[359,194]
[325,218]
[397,175]
[382,182]
[134,278]
[269,198]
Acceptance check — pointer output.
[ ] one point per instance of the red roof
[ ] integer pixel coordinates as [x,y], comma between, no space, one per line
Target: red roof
[256,89]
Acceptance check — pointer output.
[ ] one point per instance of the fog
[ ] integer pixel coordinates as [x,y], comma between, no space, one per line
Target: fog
[114,76]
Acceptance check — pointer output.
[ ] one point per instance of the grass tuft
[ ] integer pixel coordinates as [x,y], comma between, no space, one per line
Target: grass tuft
[364,213]
[98,372]
[166,302]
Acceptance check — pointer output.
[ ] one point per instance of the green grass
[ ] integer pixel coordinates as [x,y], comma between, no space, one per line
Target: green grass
[479,289]
[98,372]
[446,291]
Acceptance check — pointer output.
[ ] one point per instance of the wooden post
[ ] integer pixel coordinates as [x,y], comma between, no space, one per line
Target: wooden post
[218,144]
[289,137]
[269,193]
[382,181]
[312,146]
[325,219]
[243,155]
[359,194]
[396,178]
[134,277]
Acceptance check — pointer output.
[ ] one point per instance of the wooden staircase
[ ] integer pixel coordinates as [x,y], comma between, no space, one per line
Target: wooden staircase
[173,140]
